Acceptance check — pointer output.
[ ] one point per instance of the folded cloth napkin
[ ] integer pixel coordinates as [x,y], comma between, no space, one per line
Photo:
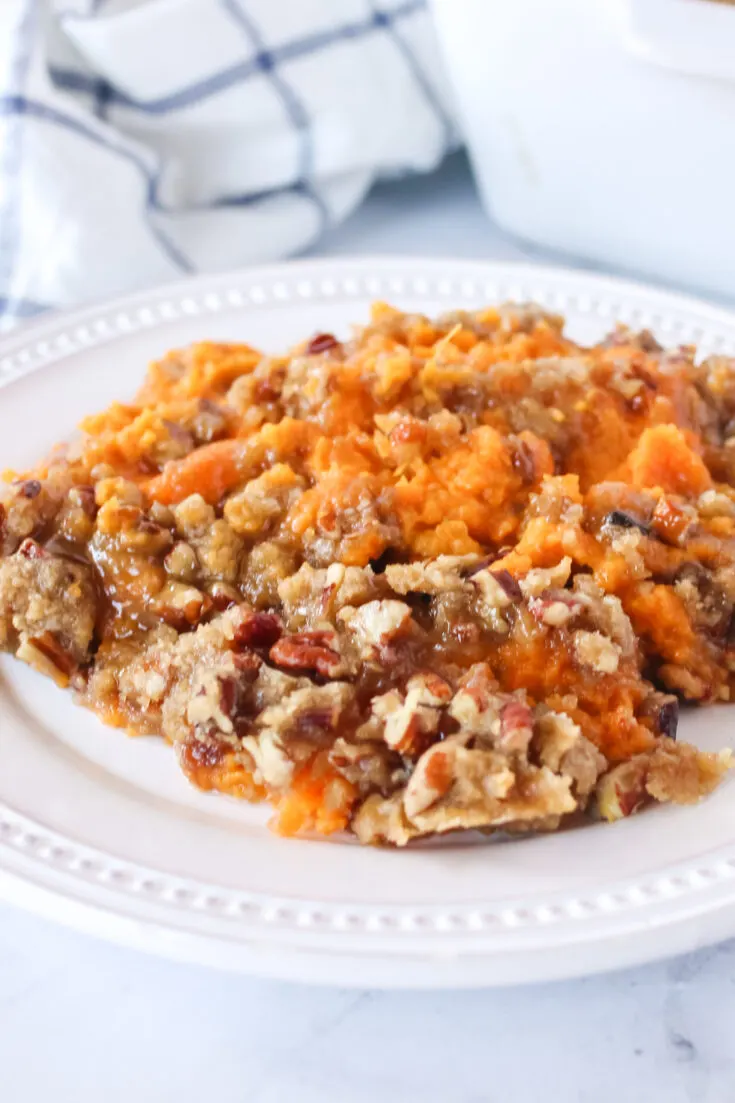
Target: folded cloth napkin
[142,139]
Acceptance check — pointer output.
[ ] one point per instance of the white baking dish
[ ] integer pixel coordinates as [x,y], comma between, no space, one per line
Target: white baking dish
[604,128]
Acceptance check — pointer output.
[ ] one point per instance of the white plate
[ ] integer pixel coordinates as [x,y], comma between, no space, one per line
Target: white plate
[103,832]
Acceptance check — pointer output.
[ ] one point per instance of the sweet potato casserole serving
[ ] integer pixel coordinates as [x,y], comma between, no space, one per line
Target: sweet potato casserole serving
[445,575]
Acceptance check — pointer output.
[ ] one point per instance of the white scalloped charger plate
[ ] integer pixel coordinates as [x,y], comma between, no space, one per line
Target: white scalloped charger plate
[102,832]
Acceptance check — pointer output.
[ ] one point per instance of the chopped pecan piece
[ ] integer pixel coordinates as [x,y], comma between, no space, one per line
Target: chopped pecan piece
[46,655]
[562,747]
[432,576]
[516,727]
[84,497]
[523,461]
[667,719]
[258,630]
[409,722]
[430,780]
[210,422]
[546,578]
[48,644]
[219,696]
[182,606]
[368,765]
[316,651]
[247,662]
[223,596]
[495,597]
[322,342]
[180,442]
[618,518]
[555,608]
[273,767]
[30,488]
[376,624]
[29,549]
[622,791]
[509,584]
[476,704]
[181,562]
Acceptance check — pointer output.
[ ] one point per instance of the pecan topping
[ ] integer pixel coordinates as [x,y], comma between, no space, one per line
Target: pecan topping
[85,497]
[228,696]
[436,577]
[667,720]
[49,646]
[201,753]
[622,791]
[210,422]
[182,606]
[179,434]
[322,342]
[431,779]
[223,596]
[479,684]
[30,488]
[620,519]
[151,528]
[516,726]
[248,663]
[308,651]
[258,630]
[29,549]
[505,579]
[523,461]
[480,565]
[314,722]
[554,607]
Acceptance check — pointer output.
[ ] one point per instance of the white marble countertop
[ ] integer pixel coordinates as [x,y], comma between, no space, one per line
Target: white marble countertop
[81,1021]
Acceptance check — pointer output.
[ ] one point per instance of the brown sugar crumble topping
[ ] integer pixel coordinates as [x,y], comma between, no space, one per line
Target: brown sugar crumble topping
[444,575]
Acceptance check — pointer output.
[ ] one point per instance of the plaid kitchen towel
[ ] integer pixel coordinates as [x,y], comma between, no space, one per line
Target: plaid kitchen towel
[142,139]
